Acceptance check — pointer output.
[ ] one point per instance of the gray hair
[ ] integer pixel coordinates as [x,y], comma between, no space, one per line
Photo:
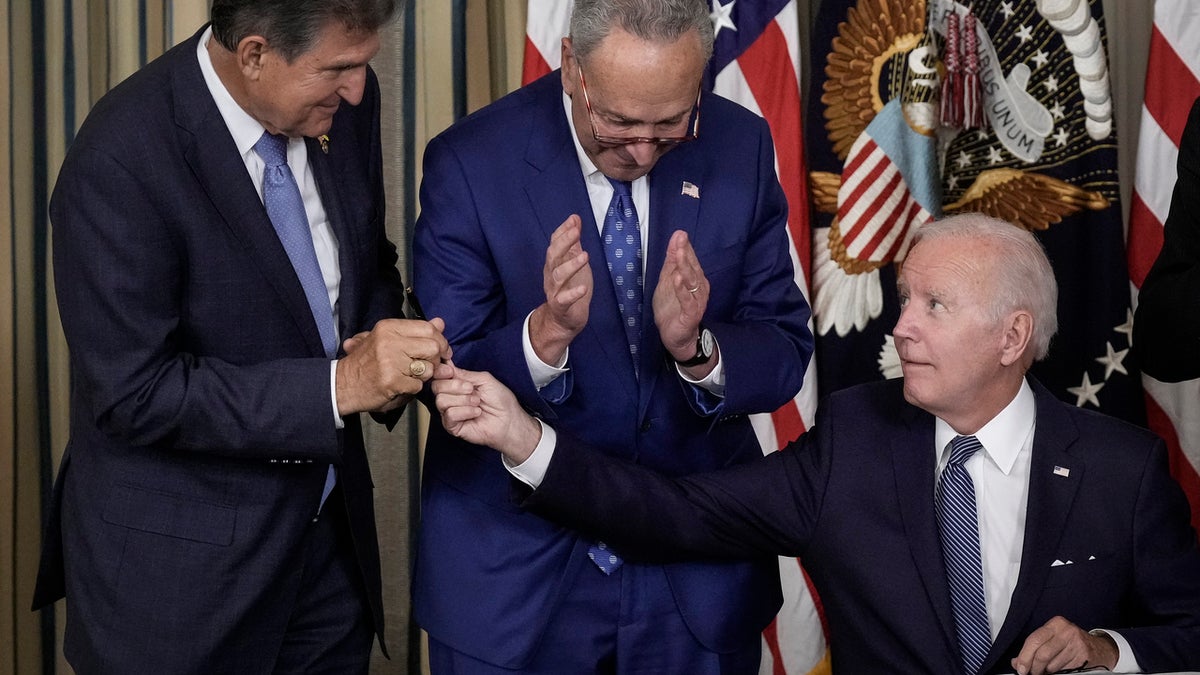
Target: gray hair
[1023,278]
[292,26]
[651,20]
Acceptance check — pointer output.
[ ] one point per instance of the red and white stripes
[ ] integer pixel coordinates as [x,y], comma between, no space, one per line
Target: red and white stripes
[547,24]
[1172,84]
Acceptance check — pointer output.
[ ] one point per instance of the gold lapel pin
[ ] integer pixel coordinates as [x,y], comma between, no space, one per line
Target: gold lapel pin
[324,140]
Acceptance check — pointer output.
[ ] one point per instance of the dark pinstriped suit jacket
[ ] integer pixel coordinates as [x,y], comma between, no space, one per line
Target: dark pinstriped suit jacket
[201,421]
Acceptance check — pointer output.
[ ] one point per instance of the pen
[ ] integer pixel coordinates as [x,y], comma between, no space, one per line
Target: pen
[413,305]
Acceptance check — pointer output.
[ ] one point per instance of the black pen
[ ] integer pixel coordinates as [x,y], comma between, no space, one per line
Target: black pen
[413,305]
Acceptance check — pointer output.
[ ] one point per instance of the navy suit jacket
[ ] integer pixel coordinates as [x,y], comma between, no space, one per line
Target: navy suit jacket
[496,185]
[201,417]
[854,498]
[1166,332]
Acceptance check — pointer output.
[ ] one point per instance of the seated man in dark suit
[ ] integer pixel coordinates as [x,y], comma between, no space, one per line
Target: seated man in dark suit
[960,520]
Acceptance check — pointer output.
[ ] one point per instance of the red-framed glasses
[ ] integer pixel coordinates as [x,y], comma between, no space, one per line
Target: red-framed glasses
[615,141]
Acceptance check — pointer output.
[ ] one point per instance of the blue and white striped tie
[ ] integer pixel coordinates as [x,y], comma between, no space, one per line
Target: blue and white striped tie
[959,526]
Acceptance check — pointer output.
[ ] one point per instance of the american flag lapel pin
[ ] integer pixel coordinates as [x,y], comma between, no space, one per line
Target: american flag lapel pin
[1062,471]
[690,190]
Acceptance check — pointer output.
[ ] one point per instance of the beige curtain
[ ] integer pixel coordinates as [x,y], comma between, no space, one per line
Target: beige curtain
[63,55]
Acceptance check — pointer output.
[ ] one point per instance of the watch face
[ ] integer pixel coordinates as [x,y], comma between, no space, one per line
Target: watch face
[706,343]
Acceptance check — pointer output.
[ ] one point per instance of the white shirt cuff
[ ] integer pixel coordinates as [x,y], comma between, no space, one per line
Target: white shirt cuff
[541,373]
[1126,661]
[533,469]
[338,422]
[714,382]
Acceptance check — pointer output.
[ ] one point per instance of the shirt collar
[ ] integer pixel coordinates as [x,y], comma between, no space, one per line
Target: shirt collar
[1002,437]
[591,174]
[245,129]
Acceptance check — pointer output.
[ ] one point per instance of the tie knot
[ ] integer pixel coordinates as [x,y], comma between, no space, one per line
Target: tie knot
[963,448]
[272,148]
[621,188]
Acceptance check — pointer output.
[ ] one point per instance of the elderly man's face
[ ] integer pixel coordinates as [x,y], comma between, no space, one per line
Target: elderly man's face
[300,98]
[636,89]
[949,346]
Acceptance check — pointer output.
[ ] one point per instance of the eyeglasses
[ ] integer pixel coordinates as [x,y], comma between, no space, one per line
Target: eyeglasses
[616,141]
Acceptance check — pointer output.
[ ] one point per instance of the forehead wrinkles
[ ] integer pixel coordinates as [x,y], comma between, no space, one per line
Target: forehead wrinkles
[945,268]
[658,76]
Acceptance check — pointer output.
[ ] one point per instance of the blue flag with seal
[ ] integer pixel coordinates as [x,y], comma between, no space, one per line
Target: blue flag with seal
[921,109]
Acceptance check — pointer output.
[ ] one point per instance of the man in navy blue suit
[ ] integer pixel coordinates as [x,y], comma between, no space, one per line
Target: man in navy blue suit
[213,511]
[1083,555]
[512,249]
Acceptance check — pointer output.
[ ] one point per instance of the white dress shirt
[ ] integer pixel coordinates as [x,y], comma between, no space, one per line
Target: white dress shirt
[1000,472]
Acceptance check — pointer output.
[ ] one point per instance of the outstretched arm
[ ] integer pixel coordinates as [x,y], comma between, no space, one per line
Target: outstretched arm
[741,512]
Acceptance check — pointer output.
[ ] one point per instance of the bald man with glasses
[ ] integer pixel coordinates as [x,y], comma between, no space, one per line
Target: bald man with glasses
[622,263]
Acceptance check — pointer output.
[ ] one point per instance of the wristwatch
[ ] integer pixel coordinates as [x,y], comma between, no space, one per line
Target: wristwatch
[704,349]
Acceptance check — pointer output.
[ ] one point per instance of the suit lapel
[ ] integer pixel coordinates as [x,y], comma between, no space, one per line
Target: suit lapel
[213,157]
[1050,499]
[670,210]
[324,165]
[913,462]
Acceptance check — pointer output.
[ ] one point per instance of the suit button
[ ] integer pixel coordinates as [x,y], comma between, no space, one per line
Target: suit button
[645,426]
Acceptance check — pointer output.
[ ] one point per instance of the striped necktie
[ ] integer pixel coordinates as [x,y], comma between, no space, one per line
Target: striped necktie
[959,526]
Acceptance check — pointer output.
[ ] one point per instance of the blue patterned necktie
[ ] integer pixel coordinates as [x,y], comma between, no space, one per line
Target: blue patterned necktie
[622,239]
[959,526]
[284,205]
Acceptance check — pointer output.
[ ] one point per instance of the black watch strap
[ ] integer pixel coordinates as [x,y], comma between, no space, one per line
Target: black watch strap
[704,350]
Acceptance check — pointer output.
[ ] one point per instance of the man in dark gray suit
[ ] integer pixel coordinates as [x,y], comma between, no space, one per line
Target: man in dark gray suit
[218,231]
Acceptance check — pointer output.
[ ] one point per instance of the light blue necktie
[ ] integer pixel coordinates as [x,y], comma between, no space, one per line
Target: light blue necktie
[285,207]
[622,238]
[959,527]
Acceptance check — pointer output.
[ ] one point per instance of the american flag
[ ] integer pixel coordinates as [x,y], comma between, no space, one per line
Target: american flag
[756,62]
[1172,84]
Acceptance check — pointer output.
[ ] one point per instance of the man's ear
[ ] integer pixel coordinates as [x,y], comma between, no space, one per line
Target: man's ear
[252,53]
[1018,333]
[569,77]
